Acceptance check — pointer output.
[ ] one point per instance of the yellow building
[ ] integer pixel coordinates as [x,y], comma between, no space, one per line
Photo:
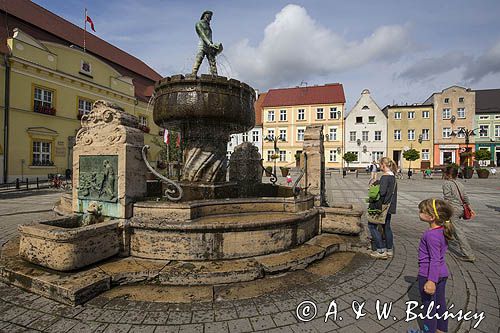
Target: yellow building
[286,114]
[410,126]
[48,83]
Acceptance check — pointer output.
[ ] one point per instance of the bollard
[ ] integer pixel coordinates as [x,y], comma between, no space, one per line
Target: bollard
[37,185]
[27,184]
[356,173]
[17,184]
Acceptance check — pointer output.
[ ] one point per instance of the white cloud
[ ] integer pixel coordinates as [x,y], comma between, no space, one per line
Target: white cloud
[295,47]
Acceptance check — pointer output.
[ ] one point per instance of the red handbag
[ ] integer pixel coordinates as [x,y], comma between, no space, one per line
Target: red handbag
[467,209]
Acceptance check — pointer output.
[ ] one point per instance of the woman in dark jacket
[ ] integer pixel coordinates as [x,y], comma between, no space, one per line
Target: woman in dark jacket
[388,195]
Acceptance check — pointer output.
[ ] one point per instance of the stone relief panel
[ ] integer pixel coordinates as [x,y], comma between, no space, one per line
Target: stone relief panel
[98,178]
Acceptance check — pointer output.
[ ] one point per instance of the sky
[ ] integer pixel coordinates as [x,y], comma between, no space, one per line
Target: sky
[402,51]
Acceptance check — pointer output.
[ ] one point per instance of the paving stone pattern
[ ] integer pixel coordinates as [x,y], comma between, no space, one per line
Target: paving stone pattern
[471,286]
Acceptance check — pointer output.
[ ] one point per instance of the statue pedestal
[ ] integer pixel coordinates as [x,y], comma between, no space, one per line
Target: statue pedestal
[107,162]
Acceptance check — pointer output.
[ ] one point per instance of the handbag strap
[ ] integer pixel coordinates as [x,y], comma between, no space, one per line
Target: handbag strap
[459,193]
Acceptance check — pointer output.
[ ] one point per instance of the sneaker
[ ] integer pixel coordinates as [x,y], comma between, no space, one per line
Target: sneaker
[467,258]
[390,253]
[378,255]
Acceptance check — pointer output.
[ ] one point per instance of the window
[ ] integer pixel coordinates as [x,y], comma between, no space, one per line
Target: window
[378,135]
[301,114]
[411,134]
[282,115]
[397,135]
[460,100]
[425,134]
[244,137]
[397,115]
[270,134]
[43,100]
[364,135]
[484,131]
[425,114]
[355,153]
[497,131]
[411,114]
[300,134]
[333,113]
[446,100]
[446,132]
[283,134]
[484,117]
[446,113]
[461,132]
[270,154]
[377,155]
[270,115]
[333,156]
[282,155]
[143,121]
[461,112]
[84,107]
[371,119]
[359,120]
[255,136]
[41,152]
[319,113]
[332,135]
[352,136]
[425,154]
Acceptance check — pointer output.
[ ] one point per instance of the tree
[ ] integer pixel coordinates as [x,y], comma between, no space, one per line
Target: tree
[483,155]
[168,152]
[349,157]
[411,155]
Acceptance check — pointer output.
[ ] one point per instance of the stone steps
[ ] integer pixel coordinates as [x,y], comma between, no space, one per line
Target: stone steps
[80,286]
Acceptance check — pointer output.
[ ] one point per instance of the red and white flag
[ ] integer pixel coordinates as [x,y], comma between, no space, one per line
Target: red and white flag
[178,144]
[88,19]
[166,136]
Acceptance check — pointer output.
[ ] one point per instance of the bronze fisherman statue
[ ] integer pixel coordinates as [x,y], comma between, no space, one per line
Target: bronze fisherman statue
[206,48]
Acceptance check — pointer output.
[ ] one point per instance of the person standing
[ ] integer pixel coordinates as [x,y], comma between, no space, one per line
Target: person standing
[453,192]
[388,195]
[373,173]
[432,270]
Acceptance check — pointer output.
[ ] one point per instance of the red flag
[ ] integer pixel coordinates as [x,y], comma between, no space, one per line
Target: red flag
[178,144]
[88,19]
[166,136]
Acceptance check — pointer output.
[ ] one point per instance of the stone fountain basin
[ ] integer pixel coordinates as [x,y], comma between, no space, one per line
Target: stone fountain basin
[62,245]
[211,100]
[221,229]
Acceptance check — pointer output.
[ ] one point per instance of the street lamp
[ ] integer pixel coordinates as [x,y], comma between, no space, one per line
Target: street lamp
[467,134]
[274,140]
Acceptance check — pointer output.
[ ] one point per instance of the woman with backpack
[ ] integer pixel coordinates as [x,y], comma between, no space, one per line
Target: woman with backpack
[454,193]
[388,196]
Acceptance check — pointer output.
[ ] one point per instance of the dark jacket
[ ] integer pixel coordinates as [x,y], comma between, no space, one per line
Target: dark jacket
[387,185]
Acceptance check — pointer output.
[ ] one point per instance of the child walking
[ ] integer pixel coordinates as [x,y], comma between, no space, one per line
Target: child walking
[432,272]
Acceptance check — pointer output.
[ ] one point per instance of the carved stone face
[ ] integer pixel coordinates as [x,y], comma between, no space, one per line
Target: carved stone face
[93,208]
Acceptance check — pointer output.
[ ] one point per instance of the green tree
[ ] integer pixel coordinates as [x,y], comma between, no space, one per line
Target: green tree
[349,157]
[411,155]
[483,155]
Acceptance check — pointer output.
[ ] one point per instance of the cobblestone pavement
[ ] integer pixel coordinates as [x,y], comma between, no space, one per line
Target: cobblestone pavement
[472,286]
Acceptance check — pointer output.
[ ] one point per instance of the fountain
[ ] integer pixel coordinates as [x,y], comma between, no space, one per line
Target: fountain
[205,230]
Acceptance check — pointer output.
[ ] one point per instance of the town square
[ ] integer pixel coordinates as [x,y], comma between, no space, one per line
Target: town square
[214,167]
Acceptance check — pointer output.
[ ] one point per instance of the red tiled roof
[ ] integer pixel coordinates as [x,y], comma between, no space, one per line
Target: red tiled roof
[258,109]
[326,94]
[47,26]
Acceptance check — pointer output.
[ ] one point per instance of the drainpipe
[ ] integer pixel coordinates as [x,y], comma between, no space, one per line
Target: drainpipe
[6,118]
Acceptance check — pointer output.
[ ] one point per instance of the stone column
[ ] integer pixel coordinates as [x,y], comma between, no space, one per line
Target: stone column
[315,175]
[107,163]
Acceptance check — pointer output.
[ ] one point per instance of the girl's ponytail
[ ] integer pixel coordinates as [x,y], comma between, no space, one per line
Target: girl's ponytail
[449,230]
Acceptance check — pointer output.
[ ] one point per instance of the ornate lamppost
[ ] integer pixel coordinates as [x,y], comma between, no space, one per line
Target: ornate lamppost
[274,140]
[467,134]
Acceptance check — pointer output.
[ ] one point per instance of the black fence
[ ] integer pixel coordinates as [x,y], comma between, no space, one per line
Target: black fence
[26,184]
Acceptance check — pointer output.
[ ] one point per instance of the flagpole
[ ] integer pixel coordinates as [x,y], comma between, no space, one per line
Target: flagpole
[85,30]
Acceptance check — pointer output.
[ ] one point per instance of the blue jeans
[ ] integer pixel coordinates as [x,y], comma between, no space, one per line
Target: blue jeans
[377,237]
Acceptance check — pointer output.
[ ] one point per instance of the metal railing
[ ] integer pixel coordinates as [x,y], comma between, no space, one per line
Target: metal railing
[173,192]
